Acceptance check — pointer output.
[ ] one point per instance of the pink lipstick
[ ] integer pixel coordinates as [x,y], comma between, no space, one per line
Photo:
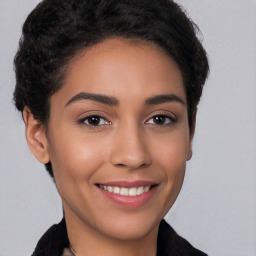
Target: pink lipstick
[129,194]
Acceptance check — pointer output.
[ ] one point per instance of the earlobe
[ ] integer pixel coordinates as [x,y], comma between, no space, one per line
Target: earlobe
[191,136]
[190,154]
[36,137]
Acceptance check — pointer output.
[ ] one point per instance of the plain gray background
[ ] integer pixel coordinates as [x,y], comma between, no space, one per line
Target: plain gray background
[216,210]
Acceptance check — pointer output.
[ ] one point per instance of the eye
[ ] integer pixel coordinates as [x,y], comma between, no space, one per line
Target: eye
[94,121]
[161,120]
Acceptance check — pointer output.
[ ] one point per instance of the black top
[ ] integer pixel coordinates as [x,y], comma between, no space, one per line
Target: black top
[169,243]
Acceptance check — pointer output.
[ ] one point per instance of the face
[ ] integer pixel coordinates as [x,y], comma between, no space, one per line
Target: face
[118,138]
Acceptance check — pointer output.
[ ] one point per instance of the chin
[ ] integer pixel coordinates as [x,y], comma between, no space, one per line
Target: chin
[130,228]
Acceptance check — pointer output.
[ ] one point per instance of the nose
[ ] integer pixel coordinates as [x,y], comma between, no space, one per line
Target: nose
[129,148]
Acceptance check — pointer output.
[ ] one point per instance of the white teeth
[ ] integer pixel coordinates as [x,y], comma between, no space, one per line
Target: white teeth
[116,190]
[140,190]
[124,191]
[146,189]
[134,191]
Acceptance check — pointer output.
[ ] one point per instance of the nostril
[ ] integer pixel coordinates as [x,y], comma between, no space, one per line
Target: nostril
[133,166]
[130,151]
[121,165]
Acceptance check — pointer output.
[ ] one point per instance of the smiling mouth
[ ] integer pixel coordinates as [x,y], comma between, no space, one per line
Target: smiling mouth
[123,191]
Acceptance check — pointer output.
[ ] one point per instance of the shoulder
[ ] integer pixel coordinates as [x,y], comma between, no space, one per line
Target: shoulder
[53,241]
[170,243]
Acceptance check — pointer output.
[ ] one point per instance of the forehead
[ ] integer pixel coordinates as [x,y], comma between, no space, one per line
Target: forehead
[121,67]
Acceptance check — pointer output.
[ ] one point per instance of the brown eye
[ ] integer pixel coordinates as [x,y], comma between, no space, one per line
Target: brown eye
[161,120]
[94,121]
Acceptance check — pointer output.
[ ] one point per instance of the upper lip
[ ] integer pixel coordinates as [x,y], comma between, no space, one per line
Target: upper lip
[129,184]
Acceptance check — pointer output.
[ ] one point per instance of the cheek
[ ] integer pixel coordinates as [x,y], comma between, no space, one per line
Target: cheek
[173,161]
[75,158]
[171,158]
[172,149]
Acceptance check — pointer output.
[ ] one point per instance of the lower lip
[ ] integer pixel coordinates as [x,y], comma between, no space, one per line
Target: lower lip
[129,201]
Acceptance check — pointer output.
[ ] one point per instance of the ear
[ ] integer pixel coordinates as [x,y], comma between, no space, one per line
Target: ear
[191,136]
[36,137]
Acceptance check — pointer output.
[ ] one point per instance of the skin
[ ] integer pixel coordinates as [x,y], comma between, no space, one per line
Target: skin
[127,144]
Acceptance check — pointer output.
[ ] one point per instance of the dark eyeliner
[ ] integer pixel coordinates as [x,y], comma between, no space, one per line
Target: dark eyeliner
[173,120]
[81,121]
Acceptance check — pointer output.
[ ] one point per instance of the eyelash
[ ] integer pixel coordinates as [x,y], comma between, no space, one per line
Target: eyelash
[93,126]
[171,121]
[84,121]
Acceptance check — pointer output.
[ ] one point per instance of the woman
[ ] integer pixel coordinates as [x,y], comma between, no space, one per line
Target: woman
[109,92]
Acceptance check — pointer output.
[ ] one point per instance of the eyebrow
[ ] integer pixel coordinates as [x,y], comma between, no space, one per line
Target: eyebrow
[107,100]
[163,98]
[112,101]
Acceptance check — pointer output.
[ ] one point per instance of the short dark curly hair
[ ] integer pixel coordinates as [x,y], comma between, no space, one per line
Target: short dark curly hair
[56,30]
